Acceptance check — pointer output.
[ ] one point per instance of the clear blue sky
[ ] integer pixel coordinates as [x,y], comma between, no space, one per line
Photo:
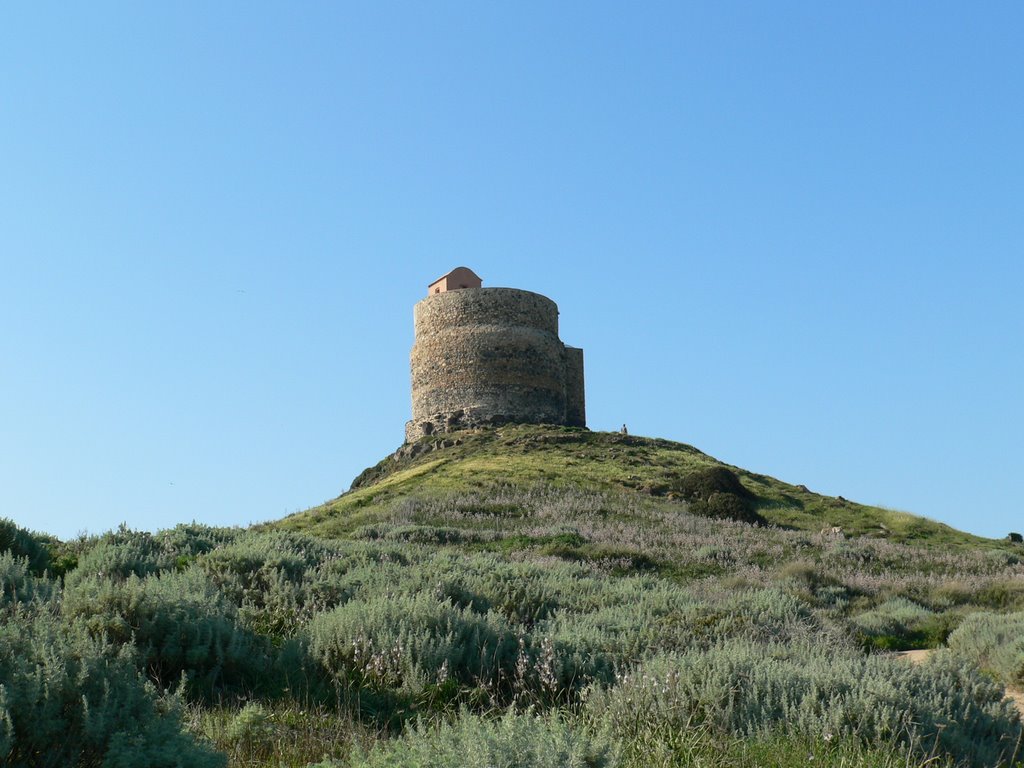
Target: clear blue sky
[790,234]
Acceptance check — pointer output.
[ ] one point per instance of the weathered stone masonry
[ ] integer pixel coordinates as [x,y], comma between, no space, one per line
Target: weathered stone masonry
[486,356]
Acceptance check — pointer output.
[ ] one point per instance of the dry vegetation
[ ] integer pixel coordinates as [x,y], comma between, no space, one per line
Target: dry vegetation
[547,610]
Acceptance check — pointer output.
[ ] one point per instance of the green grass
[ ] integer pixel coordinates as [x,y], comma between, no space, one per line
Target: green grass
[523,455]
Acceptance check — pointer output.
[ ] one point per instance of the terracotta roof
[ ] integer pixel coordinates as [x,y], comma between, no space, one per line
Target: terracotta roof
[448,274]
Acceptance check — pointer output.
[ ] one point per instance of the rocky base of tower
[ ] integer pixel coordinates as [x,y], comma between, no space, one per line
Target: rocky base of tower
[443,423]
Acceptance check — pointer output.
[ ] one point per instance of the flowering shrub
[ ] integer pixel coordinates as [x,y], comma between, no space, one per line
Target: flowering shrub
[515,740]
[410,642]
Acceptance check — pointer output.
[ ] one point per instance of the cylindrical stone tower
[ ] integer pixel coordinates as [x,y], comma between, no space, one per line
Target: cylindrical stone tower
[486,356]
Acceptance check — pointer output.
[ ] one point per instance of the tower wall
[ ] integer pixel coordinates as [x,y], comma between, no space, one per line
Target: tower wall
[489,356]
[575,395]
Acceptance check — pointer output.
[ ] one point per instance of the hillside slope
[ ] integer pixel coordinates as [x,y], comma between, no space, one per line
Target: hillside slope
[563,596]
[608,462]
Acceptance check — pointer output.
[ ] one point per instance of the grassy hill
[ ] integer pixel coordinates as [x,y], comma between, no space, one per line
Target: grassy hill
[609,462]
[531,597]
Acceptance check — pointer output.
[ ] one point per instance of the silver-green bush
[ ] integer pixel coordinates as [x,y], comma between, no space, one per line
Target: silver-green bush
[68,699]
[19,585]
[516,740]
[120,554]
[410,642]
[752,690]
[899,623]
[179,622]
[993,641]
[23,544]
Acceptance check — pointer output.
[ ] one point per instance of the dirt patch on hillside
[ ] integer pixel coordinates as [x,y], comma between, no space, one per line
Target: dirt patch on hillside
[914,657]
[1016,695]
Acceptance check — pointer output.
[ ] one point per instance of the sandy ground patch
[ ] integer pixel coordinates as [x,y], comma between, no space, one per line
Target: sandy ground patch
[914,657]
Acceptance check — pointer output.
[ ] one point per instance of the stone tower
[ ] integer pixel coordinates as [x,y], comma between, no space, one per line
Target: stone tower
[487,356]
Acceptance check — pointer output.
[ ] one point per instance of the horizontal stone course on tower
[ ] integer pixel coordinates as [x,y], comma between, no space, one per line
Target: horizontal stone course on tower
[488,356]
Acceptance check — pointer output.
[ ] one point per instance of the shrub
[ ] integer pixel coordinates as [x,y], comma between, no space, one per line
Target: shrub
[1002,594]
[69,699]
[179,623]
[21,543]
[899,624]
[593,645]
[727,506]
[412,642]
[285,733]
[253,554]
[277,580]
[187,541]
[717,492]
[524,592]
[753,690]
[761,615]
[702,483]
[808,582]
[120,554]
[417,534]
[994,642]
[515,740]
[591,642]
[19,585]
[251,730]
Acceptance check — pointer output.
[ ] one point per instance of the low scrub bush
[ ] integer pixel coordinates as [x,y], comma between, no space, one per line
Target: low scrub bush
[702,483]
[410,643]
[22,544]
[419,534]
[180,624]
[524,592]
[1001,594]
[809,583]
[254,553]
[717,492]
[788,751]
[593,641]
[593,645]
[18,584]
[994,642]
[515,740]
[119,554]
[753,690]
[760,615]
[187,541]
[901,624]
[69,699]
[277,581]
[252,731]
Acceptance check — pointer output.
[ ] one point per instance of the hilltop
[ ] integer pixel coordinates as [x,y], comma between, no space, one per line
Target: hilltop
[483,460]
